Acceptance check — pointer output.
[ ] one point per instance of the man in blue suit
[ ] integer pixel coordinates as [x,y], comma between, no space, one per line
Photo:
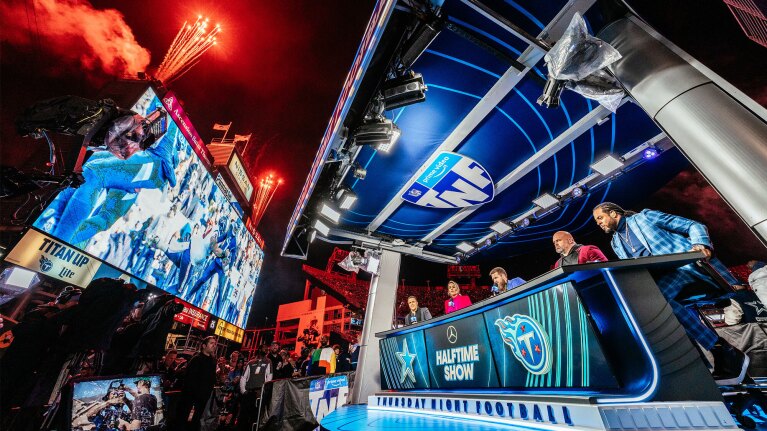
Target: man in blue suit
[652,233]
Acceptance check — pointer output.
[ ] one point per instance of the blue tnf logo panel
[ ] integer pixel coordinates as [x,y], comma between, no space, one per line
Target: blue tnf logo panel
[451,181]
[547,341]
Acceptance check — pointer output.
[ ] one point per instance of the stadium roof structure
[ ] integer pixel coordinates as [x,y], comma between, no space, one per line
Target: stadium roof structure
[500,172]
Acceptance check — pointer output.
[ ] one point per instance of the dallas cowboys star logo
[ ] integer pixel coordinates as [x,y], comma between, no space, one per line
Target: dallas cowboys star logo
[406,359]
[758,307]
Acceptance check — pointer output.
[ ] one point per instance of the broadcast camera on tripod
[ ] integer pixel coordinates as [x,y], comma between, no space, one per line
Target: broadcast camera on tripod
[103,126]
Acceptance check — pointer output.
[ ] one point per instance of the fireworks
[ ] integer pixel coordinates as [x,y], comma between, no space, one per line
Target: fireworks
[190,43]
[266,188]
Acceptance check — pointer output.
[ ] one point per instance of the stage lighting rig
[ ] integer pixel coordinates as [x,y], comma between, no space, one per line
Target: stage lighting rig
[359,172]
[403,90]
[345,198]
[381,133]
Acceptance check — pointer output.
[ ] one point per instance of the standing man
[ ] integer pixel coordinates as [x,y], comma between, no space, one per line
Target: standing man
[274,354]
[143,409]
[323,358]
[416,314]
[257,372]
[572,253]
[653,233]
[501,282]
[198,385]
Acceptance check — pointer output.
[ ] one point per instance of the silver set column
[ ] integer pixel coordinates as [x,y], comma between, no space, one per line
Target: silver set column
[378,318]
[723,137]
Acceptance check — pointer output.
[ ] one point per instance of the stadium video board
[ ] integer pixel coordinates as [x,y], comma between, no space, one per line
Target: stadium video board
[160,216]
[125,402]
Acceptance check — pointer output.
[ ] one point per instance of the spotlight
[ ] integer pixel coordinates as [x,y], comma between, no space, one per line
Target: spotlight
[359,172]
[551,92]
[330,213]
[382,134]
[321,227]
[345,198]
[465,247]
[577,192]
[650,153]
[404,90]
[501,227]
[525,222]
[607,165]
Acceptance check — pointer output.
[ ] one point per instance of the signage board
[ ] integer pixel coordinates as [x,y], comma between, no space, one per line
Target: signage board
[451,180]
[327,394]
[39,252]
[240,175]
[192,316]
[545,340]
[229,331]
[176,111]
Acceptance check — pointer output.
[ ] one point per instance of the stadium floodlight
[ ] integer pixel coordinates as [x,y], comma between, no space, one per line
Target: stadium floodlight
[465,247]
[501,227]
[607,165]
[546,201]
[321,227]
[403,90]
[345,198]
[381,134]
[330,213]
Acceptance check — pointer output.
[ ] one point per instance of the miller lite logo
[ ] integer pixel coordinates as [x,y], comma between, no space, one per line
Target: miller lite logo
[529,344]
[451,181]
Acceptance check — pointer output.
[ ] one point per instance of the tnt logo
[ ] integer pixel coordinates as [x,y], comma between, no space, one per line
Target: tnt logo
[451,181]
[528,342]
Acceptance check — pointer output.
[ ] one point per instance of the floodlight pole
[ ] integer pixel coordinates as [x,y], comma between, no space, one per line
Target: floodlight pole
[381,300]
[722,132]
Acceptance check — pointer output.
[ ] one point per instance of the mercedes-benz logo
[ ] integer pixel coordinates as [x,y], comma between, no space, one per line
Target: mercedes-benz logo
[452,334]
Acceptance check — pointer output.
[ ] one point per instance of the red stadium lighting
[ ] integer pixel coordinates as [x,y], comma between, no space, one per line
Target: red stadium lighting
[264,194]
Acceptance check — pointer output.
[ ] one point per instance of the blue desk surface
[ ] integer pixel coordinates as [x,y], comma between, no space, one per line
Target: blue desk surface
[358,417]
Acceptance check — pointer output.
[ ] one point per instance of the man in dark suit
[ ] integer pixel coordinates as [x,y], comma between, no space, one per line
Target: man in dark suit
[416,314]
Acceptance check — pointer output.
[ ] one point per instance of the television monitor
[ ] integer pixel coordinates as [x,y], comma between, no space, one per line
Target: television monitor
[118,403]
[160,216]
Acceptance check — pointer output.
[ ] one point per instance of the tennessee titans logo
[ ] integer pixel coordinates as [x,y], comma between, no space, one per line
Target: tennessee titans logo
[528,342]
[45,264]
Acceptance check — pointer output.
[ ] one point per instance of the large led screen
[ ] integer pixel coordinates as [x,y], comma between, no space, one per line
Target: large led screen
[160,216]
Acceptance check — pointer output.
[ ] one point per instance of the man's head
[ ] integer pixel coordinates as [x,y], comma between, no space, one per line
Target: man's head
[171,355]
[208,347]
[499,276]
[274,347]
[453,289]
[324,341]
[608,215]
[143,385]
[412,303]
[337,348]
[234,356]
[563,242]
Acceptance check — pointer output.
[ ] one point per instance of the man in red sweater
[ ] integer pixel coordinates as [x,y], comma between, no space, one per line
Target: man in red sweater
[575,254]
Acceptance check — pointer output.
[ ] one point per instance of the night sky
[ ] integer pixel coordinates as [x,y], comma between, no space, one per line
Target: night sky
[277,72]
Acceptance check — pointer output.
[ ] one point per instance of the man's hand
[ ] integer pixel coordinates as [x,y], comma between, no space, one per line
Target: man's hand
[703,249]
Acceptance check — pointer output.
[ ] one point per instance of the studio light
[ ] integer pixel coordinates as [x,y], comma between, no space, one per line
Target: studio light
[465,247]
[382,134]
[404,90]
[546,201]
[486,240]
[330,213]
[577,192]
[551,93]
[321,227]
[420,40]
[345,198]
[312,235]
[607,165]
[501,227]
[359,172]
[525,222]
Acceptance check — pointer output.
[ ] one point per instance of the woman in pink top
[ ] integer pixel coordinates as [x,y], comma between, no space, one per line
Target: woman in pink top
[456,300]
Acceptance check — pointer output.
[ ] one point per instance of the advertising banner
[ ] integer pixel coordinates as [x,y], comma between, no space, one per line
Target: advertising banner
[309,329]
[159,216]
[229,331]
[176,111]
[327,394]
[192,316]
[40,253]
[240,176]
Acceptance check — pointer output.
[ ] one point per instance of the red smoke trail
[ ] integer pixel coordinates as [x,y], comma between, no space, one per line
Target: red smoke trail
[99,40]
